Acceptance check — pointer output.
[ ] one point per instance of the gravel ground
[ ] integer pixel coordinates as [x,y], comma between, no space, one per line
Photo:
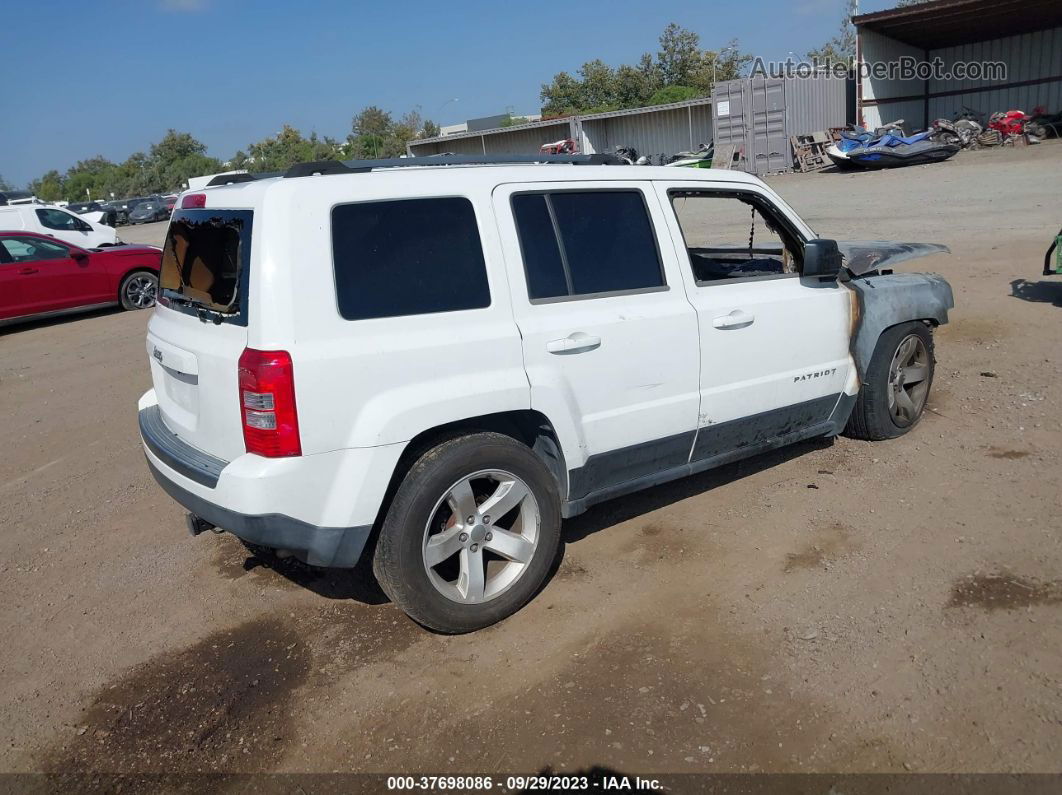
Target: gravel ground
[835,606]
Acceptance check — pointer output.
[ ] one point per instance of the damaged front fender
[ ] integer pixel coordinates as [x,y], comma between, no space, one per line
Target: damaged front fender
[888,300]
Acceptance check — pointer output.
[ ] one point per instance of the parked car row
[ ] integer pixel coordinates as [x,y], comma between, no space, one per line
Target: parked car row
[137,210]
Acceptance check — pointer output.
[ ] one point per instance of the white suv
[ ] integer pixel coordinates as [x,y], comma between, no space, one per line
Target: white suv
[433,362]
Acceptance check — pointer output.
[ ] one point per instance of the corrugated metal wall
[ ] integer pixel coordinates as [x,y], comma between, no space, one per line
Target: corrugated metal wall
[817,104]
[515,140]
[1028,57]
[651,133]
[875,48]
[1031,56]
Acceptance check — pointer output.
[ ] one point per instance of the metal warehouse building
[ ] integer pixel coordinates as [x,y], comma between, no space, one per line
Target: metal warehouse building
[1025,35]
[655,130]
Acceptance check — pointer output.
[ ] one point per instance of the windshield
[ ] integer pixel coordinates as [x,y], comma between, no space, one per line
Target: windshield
[205,259]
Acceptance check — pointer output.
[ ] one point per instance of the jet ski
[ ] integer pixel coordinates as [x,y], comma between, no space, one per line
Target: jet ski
[850,139]
[890,151]
[888,147]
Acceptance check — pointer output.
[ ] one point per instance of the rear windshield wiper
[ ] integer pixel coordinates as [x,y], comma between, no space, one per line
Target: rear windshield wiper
[204,314]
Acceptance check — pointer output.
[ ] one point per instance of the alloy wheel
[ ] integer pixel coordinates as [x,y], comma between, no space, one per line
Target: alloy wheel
[908,380]
[141,290]
[481,536]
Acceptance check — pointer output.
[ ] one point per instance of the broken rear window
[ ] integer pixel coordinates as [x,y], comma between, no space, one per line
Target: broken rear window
[205,260]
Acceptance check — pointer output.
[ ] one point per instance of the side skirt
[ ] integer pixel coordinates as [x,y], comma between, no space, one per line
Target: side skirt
[832,413]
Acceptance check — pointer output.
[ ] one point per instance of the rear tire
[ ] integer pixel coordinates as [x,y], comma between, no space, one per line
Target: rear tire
[139,290]
[454,575]
[896,390]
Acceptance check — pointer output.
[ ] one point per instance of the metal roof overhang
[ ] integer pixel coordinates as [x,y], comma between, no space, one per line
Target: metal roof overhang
[493,131]
[688,103]
[946,23]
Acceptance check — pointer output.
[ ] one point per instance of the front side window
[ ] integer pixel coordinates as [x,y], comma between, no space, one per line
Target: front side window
[63,221]
[407,257]
[32,249]
[582,243]
[733,236]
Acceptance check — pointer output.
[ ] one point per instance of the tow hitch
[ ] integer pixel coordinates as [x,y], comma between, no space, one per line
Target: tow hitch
[197,525]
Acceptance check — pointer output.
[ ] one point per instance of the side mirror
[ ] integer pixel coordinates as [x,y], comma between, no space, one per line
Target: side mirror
[822,259]
[78,255]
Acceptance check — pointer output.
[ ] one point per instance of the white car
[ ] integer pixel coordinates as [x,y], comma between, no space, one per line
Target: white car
[56,222]
[433,364]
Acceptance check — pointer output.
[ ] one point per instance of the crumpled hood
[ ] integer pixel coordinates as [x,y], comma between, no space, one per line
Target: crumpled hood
[864,256]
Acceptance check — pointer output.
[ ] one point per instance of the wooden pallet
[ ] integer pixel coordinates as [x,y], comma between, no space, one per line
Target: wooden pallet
[809,151]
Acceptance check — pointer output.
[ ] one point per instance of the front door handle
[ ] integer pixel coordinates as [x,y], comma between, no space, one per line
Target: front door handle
[736,319]
[27,271]
[577,342]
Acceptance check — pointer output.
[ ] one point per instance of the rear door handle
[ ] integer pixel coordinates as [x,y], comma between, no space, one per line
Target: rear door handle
[736,319]
[27,271]
[577,342]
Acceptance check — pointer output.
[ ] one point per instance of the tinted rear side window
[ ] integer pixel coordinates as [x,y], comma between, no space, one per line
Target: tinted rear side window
[407,257]
[586,242]
[538,244]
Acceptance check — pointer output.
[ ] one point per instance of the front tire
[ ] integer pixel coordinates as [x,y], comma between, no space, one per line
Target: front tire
[470,534]
[139,290]
[894,395]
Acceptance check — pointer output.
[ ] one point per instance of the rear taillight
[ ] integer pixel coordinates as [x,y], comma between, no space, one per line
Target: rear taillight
[267,404]
[193,201]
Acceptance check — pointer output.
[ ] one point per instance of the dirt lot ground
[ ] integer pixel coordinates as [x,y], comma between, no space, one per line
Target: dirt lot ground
[837,606]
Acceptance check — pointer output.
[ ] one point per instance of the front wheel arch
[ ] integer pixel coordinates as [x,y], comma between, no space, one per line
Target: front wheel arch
[871,417]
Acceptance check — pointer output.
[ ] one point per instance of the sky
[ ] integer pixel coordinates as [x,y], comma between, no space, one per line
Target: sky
[109,78]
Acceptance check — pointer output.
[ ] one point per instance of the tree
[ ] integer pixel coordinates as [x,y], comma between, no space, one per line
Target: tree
[431,129]
[680,70]
[89,179]
[48,188]
[562,97]
[673,94]
[372,121]
[841,48]
[174,159]
[650,72]
[4,184]
[680,52]
[283,150]
[597,87]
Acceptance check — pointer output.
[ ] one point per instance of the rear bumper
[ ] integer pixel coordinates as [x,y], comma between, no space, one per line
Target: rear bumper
[321,507]
[339,547]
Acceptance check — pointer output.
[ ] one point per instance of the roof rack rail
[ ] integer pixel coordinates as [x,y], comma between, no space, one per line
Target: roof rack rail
[232,179]
[362,166]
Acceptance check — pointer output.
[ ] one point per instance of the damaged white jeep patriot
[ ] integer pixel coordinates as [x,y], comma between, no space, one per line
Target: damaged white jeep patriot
[431,362]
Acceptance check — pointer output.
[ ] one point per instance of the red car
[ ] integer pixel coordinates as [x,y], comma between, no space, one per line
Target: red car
[40,275]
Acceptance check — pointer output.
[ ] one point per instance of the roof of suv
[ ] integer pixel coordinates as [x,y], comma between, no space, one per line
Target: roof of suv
[248,192]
